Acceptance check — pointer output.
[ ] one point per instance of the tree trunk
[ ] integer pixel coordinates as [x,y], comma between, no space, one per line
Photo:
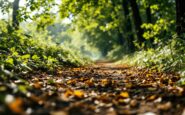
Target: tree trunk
[137,21]
[148,14]
[128,26]
[120,38]
[15,21]
[180,17]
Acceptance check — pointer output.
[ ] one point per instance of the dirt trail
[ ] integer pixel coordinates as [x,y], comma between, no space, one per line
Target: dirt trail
[102,89]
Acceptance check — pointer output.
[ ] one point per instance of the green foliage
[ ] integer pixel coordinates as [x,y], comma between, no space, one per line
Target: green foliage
[116,53]
[168,57]
[154,31]
[22,53]
[41,11]
[5,5]
[73,39]
[100,21]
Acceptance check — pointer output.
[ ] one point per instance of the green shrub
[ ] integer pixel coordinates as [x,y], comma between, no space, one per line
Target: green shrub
[21,53]
[168,57]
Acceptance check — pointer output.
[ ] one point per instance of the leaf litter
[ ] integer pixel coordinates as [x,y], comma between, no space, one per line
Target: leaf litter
[101,89]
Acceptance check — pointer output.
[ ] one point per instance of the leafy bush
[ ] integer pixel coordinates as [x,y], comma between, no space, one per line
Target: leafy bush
[168,57]
[21,52]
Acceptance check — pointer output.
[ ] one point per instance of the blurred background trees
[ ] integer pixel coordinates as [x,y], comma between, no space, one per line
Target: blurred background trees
[132,24]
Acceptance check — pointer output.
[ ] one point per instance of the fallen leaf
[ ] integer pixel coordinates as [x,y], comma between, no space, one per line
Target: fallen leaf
[37,85]
[16,106]
[152,97]
[105,82]
[76,69]
[90,82]
[128,85]
[68,93]
[158,100]
[124,94]
[165,106]
[59,113]
[149,113]
[133,103]
[36,99]
[71,82]
[78,93]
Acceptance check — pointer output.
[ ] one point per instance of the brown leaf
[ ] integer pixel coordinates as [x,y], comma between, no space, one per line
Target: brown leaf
[152,97]
[36,99]
[90,82]
[165,106]
[133,103]
[68,93]
[71,82]
[37,85]
[59,113]
[105,82]
[16,106]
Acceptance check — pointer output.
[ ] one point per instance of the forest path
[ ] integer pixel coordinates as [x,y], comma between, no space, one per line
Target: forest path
[102,89]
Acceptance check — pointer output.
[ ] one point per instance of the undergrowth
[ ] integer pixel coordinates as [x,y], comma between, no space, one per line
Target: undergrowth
[167,57]
[22,53]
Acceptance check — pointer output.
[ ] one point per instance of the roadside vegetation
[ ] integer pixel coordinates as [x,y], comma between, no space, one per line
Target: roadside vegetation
[22,52]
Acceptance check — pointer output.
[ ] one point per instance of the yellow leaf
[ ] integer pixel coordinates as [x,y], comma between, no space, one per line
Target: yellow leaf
[78,94]
[124,94]
[76,69]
